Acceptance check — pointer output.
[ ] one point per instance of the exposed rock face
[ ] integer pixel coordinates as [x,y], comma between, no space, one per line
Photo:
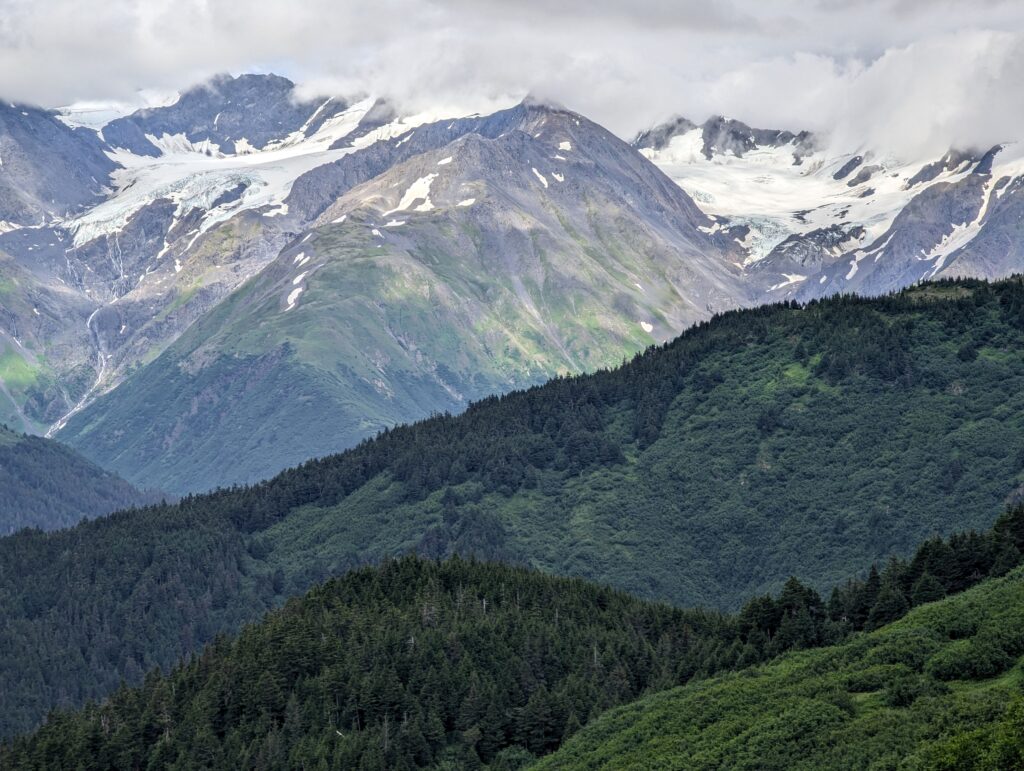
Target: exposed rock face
[47,169]
[228,115]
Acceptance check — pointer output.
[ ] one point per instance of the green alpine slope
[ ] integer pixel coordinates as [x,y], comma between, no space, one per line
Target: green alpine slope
[771,442]
[47,485]
[943,688]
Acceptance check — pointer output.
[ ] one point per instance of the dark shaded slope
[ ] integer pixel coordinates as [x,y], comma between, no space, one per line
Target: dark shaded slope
[47,485]
[401,666]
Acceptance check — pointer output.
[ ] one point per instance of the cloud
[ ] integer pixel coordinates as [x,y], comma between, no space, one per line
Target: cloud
[907,75]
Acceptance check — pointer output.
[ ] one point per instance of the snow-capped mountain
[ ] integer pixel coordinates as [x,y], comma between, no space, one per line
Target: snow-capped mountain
[168,235]
[458,259]
[812,221]
[336,256]
[228,115]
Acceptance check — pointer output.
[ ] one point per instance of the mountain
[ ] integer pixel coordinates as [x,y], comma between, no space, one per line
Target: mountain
[939,689]
[814,221]
[224,115]
[95,293]
[785,440]
[490,255]
[46,485]
[419,664]
[159,302]
[407,665]
[215,190]
[47,168]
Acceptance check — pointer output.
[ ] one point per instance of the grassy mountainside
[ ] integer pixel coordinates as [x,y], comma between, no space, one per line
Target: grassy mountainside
[47,485]
[772,442]
[942,688]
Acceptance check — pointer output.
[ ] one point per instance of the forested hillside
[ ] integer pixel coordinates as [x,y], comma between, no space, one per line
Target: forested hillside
[419,664]
[786,440]
[407,665]
[941,689]
[47,485]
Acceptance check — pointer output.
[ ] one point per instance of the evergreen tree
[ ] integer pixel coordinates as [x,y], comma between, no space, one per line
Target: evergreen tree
[927,588]
[889,606]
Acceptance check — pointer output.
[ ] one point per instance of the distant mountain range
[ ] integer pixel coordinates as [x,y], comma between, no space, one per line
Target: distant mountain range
[321,269]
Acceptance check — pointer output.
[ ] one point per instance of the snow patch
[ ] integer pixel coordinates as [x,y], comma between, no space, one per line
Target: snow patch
[558,176]
[567,146]
[962,234]
[417,191]
[648,328]
[292,297]
[540,177]
[444,161]
[791,278]
[298,279]
[394,223]
[467,202]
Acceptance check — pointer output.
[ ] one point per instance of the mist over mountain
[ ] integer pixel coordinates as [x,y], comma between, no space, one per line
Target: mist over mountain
[241,226]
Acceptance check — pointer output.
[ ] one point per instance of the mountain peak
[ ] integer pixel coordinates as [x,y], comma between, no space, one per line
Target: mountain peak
[723,135]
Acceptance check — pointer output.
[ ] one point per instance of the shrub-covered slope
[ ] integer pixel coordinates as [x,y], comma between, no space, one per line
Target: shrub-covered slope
[47,485]
[771,442]
[941,689]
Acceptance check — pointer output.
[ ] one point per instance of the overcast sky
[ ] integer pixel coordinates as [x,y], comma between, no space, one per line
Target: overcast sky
[909,75]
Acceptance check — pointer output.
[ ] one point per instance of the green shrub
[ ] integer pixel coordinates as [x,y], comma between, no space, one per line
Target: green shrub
[875,678]
[905,691]
[911,647]
[972,659]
